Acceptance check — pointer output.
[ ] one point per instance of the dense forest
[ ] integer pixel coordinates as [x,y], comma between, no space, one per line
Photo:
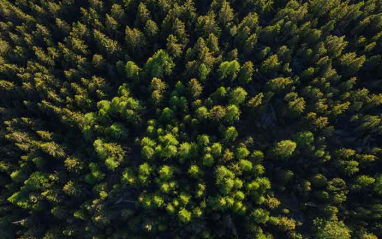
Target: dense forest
[200,119]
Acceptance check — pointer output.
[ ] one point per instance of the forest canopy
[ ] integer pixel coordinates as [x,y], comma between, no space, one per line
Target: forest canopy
[127,119]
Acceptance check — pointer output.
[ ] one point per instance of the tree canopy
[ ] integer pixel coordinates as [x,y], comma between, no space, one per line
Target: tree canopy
[129,119]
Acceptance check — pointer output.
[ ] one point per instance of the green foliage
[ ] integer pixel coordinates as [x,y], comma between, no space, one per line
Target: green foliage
[331,229]
[166,172]
[230,134]
[232,114]
[132,70]
[167,114]
[245,165]
[217,113]
[378,184]
[157,88]
[270,65]
[159,65]
[118,131]
[238,96]
[363,182]
[201,113]
[304,138]
[185,151]
[350,63]
[194,171]
[195,88]
[279,84]
[190,119]
[246,73]
[284,149]
[208,160]
[224,179]
[242,152]
[184,216]
[111,153]
[229,69]
[256,101]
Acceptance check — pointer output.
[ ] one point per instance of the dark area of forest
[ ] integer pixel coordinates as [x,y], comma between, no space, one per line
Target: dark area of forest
[200,119]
